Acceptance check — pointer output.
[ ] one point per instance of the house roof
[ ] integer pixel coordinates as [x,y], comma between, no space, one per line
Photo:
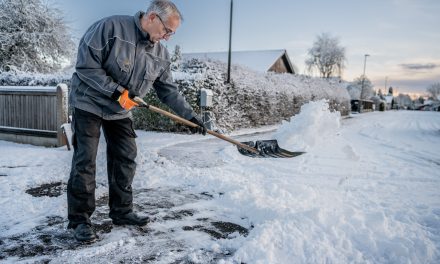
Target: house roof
[258,60]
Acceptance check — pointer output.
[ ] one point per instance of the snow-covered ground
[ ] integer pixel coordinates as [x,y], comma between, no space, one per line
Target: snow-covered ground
[366,191]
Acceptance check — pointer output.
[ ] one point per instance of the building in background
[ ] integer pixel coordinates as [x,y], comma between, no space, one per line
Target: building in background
[259,60]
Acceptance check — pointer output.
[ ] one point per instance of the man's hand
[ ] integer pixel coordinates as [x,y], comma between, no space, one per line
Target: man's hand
[126,102]
[201,128]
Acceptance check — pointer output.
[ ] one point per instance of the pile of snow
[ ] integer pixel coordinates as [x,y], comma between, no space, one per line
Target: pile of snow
[314,124]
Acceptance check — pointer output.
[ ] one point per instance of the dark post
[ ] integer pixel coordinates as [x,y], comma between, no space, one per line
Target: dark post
[230,40]
[363,80]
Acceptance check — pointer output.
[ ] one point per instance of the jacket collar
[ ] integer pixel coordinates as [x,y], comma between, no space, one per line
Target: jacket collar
[137,20]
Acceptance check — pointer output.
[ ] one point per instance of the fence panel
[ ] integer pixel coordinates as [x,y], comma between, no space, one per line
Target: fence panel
[33,114]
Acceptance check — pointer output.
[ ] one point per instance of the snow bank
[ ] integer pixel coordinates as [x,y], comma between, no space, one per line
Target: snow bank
[314,124]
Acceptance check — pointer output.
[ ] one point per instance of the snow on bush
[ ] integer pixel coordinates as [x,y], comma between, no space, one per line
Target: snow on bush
[34,37]
[252,99]
[20,78]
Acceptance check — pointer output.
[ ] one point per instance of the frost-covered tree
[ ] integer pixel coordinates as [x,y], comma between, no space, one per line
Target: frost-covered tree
[390,91]
[434,90]
[380,94]
[327,56]
[403,100]
[355,88]
[33,37]
[176,58]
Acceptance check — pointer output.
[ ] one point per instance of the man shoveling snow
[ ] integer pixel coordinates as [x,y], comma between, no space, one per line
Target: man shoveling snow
[119,57]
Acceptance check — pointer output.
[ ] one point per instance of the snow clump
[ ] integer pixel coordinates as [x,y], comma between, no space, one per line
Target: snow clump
[312,125]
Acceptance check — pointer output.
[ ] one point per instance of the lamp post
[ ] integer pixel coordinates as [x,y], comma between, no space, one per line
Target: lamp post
[230,41]
[363,80]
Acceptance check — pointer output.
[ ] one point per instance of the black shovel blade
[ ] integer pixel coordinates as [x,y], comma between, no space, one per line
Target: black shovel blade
[267,149]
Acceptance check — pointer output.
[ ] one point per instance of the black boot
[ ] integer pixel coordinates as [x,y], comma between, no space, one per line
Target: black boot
[130,219]
[84,233]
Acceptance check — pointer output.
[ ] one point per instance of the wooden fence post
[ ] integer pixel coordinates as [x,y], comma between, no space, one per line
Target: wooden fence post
[62,112]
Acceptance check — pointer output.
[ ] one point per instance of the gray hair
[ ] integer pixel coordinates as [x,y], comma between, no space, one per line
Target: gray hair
[164,9]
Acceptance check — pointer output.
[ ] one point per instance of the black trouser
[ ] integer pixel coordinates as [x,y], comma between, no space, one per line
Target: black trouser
[121,165]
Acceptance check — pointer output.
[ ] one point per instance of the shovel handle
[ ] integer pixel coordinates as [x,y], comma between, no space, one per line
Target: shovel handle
[235,142]
[191,124]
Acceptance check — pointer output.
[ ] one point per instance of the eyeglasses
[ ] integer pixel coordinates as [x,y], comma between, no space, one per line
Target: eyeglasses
[168,32]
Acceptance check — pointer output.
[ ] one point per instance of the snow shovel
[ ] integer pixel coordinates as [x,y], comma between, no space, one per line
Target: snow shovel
[258,149]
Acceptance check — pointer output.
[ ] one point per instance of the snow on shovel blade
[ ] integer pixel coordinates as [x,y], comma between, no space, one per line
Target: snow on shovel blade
[267,149]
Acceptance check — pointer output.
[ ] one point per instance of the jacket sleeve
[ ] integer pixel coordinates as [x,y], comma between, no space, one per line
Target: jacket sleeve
[168,93]
[93,50]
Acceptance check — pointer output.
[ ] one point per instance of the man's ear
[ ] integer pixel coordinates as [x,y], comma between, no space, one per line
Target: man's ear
[151,16]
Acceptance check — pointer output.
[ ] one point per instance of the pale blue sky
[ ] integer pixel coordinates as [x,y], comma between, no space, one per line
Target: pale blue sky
[401,36]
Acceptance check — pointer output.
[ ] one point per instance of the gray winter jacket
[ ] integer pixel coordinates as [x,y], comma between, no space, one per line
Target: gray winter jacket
[115,52]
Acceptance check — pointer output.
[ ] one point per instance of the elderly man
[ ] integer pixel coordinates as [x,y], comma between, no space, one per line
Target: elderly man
[119,57]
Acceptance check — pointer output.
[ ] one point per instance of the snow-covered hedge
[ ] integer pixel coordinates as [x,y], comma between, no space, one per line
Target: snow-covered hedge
[252,99]
[19,78]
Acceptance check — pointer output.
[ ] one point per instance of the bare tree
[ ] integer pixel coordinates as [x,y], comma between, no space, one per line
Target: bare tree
[434,90]
[355,88]
[33,37]
[327,56]
[404,101]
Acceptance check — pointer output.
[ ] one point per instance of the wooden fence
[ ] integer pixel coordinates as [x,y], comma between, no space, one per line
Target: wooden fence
[33,115]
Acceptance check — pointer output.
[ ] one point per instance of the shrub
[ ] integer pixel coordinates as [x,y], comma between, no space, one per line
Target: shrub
[251,100]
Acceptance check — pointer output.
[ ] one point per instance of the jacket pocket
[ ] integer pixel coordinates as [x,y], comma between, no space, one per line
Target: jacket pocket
[151,76]
[145,84]
[154,68]
[124,66]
